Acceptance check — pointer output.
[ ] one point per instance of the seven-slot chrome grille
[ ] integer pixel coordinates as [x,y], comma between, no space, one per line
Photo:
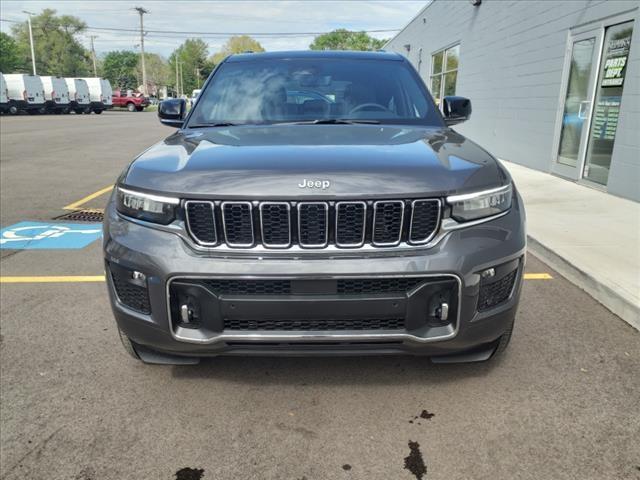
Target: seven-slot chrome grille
[344,224]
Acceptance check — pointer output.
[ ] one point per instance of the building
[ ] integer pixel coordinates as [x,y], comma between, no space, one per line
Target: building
[554,85]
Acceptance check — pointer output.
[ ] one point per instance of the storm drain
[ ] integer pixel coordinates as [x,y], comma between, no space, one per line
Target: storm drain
[87,215]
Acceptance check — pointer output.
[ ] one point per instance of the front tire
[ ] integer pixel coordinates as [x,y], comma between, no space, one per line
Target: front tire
[128,345]
[97,112]
[131,107]
[13,110]
[503,342]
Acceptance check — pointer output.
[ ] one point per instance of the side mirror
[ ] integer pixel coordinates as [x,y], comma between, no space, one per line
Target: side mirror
[456,110]
[172,112]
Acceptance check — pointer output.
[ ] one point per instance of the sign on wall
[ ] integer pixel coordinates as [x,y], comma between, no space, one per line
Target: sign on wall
[616,61]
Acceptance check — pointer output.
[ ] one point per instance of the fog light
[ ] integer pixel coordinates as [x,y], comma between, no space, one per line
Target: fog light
[186,314]
[488,273]
[138,278]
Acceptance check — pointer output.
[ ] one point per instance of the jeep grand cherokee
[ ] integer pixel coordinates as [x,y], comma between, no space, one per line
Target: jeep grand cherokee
[314,203]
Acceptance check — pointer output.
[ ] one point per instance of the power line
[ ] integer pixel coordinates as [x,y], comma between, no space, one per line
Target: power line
[210,34]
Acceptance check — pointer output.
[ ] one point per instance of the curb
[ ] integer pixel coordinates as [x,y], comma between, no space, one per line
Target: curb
[613,301]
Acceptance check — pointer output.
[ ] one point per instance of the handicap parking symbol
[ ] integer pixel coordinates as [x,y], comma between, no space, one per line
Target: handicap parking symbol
[43,236]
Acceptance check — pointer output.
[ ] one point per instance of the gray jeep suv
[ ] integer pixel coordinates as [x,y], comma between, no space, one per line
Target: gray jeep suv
[314,203]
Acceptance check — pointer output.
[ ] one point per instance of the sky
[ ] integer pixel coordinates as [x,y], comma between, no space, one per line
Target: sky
[218,18]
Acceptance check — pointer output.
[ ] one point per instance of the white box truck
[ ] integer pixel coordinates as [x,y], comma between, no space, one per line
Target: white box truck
[56,94]
[25,93]
[80,102]
[4,95]
[100,92]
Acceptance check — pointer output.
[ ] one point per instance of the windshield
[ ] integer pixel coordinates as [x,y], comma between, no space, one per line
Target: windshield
[307,90]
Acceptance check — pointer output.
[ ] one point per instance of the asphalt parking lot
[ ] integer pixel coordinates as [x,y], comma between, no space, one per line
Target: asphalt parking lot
[563,403]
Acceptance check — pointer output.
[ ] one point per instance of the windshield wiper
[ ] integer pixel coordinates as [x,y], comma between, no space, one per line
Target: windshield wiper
[332,121]
[221,124]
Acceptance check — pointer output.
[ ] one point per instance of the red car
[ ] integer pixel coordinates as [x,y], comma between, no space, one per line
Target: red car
[135,102]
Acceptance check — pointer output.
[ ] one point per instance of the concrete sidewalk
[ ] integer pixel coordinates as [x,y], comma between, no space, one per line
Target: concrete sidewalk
[591,237]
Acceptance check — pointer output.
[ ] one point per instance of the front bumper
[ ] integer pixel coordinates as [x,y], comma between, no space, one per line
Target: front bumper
[461,255]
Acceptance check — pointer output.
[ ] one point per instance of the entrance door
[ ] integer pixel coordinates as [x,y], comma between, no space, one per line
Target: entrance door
[578,103]
[617,41]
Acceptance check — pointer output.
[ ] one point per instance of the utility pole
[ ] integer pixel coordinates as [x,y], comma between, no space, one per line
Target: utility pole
[177,79]
[198,76]
[181,81]
[93,55]
[142,11]
[33,55]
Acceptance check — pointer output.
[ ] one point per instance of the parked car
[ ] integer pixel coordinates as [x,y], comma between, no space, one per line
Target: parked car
[100,93]
[56,94]
[194,96]
[25,93]
[4,95]
[131,102]
[79,95]
[372,229]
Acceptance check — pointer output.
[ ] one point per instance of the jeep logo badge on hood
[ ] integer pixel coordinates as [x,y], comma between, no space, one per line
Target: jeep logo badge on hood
[322,184]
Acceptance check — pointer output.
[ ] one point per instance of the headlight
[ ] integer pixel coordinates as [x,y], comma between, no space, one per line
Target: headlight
[472,206]
[145,206]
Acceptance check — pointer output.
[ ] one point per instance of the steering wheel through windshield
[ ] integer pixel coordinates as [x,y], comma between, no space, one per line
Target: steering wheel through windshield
[369,106]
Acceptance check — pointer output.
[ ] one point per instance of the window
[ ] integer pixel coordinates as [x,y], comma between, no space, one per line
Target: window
[273,90]
[444,72]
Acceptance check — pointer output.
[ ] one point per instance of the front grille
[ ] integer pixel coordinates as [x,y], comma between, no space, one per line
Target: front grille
[275,222]
[237,218]
[425,215]
[133,296]
[324,324]
[387,222]
[343,224]
[351,222]
[313,224]
[495,293]
[202,221]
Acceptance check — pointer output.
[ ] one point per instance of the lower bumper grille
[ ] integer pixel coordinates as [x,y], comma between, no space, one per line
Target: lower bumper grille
[324,324]
[348,286]
[134,296]
[212,308]
[493,294]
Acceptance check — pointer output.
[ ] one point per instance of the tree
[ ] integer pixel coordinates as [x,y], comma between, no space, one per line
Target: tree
[238,44]
[9,54]
[158,72]
[192,55]
[343,39]
[119,67]
[57,50]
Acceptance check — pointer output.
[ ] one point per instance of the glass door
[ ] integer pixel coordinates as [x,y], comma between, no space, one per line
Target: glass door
[617,42]
[577,105]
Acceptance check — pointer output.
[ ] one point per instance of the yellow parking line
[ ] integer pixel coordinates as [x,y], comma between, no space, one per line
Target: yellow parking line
[76,205]
[54,279]
[101,278]
[537,276]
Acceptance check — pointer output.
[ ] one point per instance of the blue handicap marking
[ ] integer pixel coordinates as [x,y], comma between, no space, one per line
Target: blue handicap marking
[41,235]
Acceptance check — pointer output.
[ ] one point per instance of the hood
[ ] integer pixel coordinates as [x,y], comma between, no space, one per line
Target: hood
[319,161]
